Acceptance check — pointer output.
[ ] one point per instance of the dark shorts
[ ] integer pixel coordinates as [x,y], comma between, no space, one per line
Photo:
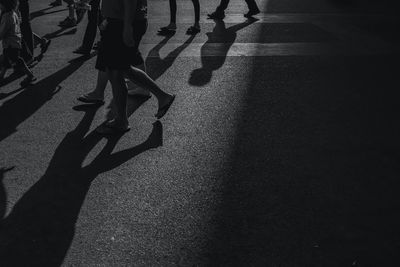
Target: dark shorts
[10,57]
[113,53]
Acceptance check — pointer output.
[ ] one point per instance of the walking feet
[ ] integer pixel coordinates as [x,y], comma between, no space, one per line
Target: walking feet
[164,106]
[193,30]
[217,15]
[170,29]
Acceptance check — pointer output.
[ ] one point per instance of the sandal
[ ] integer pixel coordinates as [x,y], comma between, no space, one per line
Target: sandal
[166,31]
[163,110]
[192,30]
[89,100]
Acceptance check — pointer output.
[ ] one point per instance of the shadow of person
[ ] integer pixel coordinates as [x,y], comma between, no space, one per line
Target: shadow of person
[22,106]
[155,65]
[60,32]
[40,227]
[215,50]
[3,195]
[43,12]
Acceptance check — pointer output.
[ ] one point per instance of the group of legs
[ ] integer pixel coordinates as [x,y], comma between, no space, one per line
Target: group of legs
[122,65]
[20,59]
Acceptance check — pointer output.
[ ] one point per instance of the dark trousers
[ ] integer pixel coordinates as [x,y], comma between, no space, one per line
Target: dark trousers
[26,30]
[94,19]
[224,4]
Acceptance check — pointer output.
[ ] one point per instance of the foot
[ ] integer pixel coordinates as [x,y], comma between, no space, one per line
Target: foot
[217,15]
[28,81]
[163,107]
[91,98]
[113,127]
[193,30]
[82,51]
[167,30]
[251,13]
[68,22]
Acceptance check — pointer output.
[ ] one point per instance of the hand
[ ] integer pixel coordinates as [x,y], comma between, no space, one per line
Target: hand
[128,36]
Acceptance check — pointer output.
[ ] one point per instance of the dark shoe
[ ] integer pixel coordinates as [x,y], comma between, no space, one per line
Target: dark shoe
[192,30]
[217,15]
[165,31]
[251,13]
[163,110]
[82,51]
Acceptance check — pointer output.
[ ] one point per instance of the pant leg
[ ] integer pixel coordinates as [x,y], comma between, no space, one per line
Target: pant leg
[91,28]
[26,30]
[223,5]
[252,4]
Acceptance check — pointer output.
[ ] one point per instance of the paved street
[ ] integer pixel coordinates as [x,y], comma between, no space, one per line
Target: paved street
[281,149]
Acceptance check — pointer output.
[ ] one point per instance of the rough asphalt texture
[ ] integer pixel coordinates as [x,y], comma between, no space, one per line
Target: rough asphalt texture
[285,154]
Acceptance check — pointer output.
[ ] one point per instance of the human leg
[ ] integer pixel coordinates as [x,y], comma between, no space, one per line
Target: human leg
[26,30]
[219,13]
[91,29]
[171,27]
[253,8]
[196,26]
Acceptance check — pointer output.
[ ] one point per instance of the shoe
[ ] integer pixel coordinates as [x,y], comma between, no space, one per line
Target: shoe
[55,3]
[163,110]
[193,30]
[111,127]
[167,30]
[86,98]
[28,81]
[217,15]
[44,45]
[82,51]
[251,13]
[68,22]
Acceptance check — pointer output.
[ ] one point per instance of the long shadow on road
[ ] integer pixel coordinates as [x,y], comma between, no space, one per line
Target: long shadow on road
[40,227]
[19,108]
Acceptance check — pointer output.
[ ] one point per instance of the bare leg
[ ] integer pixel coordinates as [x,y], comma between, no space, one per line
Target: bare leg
[119,91]
[140,78]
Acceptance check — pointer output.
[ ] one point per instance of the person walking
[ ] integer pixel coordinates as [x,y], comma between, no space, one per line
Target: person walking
[171,27]
[116,53]
[29,38]
[219,13]
[10,34]
[94,19]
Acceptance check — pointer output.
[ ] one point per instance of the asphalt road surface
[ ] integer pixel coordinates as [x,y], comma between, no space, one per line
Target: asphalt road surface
[281,149]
